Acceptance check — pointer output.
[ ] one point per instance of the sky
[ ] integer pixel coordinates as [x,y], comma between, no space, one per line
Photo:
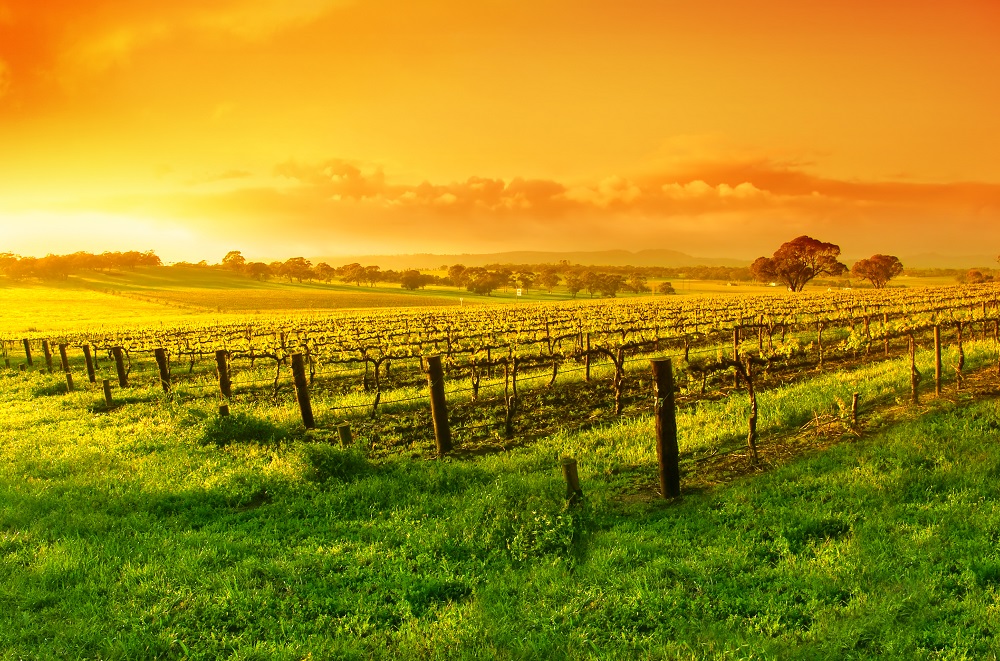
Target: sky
[334,127]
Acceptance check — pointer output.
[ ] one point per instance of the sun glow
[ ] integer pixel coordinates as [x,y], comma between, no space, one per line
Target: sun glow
[407,126]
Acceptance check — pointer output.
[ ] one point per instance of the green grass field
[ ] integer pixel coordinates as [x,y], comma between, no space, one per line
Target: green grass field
[159,530]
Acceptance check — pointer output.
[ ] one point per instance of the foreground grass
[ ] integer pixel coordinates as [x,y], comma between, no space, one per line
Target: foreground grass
[157,530]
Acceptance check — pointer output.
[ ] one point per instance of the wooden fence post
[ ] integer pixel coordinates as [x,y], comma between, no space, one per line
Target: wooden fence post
[344,429]
[736,355]
[819,341]
[914,373]
[854,408]
[90,364]
[48,355]
[107,393]
[586,361]
[667,452]
[63,358]
[225,385]
[223,410]
[573,491]
[69,382]
[937,360]
[439,407]
[161,362]
[302,390]
[117,352]
[27,350]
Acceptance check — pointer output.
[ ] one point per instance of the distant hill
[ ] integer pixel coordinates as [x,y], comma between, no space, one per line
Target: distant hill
[935,261]
[425,261]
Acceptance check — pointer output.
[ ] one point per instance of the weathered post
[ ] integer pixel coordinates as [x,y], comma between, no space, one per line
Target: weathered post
[885,332]
[118,354]
[47,350]
[161,362]
[107,393]
[27,350]
[937,360]
[90,363]
[69,382]
[736,356]
[667,453]
[302,390]
[854,408]
[344,429]
[914,373]
[573,491]
[439,407]
[586,361]
[63,358]
[225,385]
[223,410]
[819,342]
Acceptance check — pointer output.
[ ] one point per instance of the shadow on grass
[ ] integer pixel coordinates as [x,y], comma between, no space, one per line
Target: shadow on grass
[241,428]
[50,389]
[119,401]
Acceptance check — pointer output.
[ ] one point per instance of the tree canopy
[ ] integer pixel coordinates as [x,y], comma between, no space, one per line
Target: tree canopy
[798,261]
[878,269]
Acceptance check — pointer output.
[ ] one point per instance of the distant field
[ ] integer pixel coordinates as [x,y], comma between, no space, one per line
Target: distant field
[180,294]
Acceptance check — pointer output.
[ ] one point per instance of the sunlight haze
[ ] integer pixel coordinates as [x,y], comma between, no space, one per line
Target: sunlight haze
[374,127]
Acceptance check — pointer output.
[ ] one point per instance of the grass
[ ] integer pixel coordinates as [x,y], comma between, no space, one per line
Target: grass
[158,530]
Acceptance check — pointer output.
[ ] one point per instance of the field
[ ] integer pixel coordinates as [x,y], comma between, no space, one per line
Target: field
[150,295]
[157,529]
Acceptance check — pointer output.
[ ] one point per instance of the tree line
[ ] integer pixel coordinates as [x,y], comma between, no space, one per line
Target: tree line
[60,267]
[483,280]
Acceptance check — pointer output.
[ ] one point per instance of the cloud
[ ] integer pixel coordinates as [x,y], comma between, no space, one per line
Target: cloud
[67,41]
[745,210]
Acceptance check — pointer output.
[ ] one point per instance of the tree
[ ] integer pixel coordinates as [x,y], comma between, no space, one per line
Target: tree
[665,288]
[975,277]
[798,261]
[609,284]
[525,280]
[372,275]
[325,272]
[234,260]
[481,281]
[548,279]
[412,279]
[574,283]
[591,281]
[258,271]
[456,273]
[352,272]
[637,282]
[298,268]
[878,269]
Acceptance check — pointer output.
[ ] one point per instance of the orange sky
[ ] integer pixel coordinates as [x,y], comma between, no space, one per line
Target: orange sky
[324,127]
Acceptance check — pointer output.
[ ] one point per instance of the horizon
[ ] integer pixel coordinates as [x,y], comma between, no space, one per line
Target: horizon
[370,128]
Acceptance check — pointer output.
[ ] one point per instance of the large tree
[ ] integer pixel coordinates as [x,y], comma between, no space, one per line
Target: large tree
[878,269]
[798,261]
[234,260]
[299,268]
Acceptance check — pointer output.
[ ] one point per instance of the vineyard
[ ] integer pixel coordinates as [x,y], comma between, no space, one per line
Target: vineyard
[517,373]
[401,484]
